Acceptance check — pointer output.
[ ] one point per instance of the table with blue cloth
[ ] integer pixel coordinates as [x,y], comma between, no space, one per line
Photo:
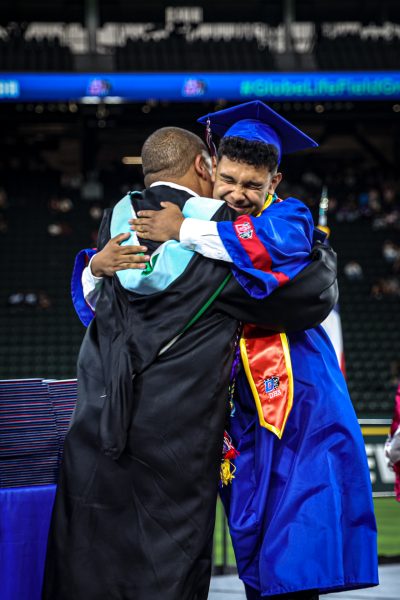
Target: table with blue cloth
[34,417]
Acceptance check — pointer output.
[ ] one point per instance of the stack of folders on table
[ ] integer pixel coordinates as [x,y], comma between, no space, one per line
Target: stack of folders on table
[34,418]
[62,395]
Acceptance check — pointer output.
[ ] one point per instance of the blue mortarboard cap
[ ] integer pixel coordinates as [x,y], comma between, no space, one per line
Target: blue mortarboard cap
[255,121]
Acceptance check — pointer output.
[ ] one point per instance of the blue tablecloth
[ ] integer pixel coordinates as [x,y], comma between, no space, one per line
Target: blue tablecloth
[24,523]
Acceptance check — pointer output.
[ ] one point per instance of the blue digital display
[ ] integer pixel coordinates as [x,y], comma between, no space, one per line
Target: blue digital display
[178,87]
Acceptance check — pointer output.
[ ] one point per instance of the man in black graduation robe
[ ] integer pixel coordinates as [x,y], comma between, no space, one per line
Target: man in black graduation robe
[135,507]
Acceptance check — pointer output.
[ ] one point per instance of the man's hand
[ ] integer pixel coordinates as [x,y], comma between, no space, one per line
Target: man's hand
[159,225]
[115,257]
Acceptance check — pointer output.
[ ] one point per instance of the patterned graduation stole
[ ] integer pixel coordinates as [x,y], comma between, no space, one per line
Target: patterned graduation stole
[266,361]
[268,367]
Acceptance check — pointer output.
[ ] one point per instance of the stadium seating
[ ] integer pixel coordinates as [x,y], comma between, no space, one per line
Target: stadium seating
[18,54]
[176,54]
[41,342]
[370,326]
[350,52]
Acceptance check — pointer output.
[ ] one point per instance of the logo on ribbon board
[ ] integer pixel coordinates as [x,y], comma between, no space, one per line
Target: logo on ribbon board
[193,87]
[244,230]
[98,87]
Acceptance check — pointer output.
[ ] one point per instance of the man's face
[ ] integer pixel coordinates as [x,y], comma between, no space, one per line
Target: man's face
[243,187]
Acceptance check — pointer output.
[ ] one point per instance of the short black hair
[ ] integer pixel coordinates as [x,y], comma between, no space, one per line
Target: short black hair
[256,154]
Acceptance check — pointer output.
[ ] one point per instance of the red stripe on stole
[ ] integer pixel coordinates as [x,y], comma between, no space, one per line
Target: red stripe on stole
[255,249]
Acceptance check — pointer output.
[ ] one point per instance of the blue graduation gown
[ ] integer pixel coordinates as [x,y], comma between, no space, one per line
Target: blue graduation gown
[300,508]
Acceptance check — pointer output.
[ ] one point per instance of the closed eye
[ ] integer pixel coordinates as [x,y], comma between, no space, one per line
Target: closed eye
[227,178]
[254,186]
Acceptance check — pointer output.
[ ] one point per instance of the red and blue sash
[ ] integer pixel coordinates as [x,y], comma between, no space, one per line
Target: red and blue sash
[267,364]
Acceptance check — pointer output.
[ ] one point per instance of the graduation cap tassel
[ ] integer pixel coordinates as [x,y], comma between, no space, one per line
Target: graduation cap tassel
[209,140]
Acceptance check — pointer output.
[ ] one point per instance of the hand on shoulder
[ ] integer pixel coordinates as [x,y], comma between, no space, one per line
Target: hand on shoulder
[114,257]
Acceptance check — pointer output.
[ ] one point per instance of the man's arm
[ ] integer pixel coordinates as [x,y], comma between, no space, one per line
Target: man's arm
[301,303]
[266,251]
[91,285]
[114,257]
[105,263]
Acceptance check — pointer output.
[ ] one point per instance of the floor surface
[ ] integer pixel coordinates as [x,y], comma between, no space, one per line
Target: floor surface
[229,587]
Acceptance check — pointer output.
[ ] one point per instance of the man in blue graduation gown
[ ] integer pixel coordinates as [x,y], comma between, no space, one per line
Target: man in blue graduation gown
[300,507]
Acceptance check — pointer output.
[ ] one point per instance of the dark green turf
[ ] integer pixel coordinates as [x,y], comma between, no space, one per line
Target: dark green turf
[387,512]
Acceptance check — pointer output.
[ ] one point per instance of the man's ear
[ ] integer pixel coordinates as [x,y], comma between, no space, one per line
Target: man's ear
[201,168]
[275,181]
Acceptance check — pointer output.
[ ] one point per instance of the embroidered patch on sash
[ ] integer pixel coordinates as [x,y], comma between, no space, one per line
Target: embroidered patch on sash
[271,384]
[264,353]
[244,230]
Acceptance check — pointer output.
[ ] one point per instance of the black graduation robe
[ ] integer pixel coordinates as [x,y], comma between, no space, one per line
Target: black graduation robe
[135,506]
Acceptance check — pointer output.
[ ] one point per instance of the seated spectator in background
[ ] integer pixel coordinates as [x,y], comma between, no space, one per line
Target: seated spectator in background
[353,271]
[59,230]
[16,299]
[96,212]
[30,299]
[386,287]
[61,205]
[349,210]
[43,300]
[388,198]
[374,200]
[92,189]
[390,251]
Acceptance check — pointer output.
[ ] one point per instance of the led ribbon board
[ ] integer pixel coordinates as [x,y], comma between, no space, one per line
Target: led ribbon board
[179,87]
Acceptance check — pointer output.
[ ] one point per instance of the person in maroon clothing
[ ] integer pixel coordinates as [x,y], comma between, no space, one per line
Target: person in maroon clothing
[392,447]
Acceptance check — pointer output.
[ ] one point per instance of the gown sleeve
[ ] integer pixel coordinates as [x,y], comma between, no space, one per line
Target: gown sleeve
[270,250]
[304,302]
[202,237]
[91,286]
[78,291]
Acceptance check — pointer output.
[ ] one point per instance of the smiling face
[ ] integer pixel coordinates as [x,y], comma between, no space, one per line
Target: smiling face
[244,187]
